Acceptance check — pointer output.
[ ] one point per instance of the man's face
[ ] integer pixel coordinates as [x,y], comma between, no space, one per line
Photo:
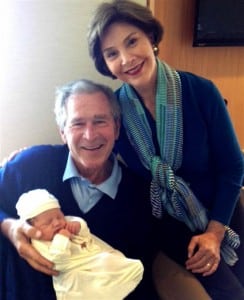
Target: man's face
[90,133]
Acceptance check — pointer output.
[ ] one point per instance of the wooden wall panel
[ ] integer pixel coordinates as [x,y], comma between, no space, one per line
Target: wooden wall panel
[223,65]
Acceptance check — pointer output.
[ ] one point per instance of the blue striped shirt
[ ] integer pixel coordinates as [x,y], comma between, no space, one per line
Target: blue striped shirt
[86,193]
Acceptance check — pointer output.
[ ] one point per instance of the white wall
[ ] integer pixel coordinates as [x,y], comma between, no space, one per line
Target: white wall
[43,45]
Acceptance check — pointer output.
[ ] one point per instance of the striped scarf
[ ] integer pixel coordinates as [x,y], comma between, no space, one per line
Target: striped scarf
[168,191]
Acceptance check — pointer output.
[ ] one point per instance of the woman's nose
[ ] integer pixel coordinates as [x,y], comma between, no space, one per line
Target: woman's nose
[126,58]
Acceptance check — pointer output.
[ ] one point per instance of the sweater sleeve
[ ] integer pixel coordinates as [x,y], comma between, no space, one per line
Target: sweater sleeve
[36,167]
[209,136]
[227,160]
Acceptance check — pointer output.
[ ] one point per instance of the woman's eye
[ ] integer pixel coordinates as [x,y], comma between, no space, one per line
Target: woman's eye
[110,54]
[132,41]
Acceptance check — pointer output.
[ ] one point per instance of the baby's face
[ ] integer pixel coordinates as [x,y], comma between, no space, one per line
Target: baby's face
[49,222]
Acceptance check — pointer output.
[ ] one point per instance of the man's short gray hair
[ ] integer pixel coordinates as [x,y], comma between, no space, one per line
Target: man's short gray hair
[82,86]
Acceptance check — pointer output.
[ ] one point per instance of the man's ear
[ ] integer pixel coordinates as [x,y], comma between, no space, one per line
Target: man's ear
[117,128]
[63,136]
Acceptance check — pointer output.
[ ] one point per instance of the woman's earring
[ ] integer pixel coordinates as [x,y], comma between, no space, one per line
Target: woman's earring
[155,49]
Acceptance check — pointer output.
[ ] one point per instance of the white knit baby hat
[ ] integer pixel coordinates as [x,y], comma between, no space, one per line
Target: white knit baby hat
[35,202]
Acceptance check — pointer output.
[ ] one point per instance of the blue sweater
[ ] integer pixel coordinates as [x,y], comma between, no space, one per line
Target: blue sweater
[212,160]
[124,223]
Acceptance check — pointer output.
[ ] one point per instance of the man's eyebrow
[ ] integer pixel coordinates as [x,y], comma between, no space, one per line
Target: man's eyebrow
[104,116]
[76,119]
[97,116]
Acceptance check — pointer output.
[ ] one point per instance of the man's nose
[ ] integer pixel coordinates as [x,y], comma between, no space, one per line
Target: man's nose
[89,132]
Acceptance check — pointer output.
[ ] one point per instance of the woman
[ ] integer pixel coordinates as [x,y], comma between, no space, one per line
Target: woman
[176,131]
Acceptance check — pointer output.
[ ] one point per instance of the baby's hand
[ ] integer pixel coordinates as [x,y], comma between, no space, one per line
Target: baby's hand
[73,227]
[65,232]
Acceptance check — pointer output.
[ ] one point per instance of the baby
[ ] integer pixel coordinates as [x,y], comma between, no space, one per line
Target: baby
[89,268]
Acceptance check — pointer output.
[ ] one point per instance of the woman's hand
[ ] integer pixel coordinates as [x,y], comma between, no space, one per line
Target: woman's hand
[11,156]
[204,250]
[20,233]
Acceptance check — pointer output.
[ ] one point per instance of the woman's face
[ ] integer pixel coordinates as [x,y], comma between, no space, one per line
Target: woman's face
[128,53]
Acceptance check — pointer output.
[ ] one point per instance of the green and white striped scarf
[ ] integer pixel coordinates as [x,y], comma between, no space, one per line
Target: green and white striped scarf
[168,191]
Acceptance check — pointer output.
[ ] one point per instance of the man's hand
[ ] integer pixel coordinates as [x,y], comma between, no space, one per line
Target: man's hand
[204,250]
[20,233]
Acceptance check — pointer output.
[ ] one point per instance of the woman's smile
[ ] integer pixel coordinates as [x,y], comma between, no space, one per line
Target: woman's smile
[135,70]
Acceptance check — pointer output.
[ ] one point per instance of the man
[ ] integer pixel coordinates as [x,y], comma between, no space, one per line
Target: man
[89,182]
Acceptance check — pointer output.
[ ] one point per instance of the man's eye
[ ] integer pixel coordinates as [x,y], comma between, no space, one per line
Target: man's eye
[76,125]
[98,122]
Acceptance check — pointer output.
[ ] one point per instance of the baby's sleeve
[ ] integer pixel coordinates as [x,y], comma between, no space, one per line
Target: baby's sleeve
[60,245]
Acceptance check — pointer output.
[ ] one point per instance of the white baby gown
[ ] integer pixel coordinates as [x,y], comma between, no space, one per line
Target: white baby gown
[94,271]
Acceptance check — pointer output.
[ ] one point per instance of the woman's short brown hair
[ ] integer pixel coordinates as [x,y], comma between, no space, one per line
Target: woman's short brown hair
[125,11]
